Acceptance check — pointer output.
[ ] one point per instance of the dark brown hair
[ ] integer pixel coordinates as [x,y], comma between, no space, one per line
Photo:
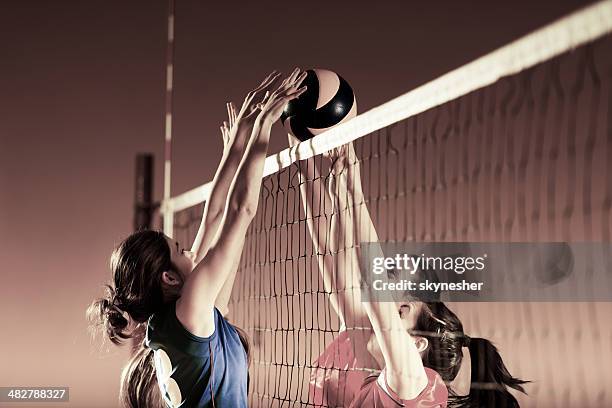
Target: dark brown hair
[134,295]
[136,291]
[139,386]
[490,379]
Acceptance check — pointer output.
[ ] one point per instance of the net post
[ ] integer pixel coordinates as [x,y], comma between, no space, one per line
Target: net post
[168,218]
[167,213]
[143,214]
[143,198]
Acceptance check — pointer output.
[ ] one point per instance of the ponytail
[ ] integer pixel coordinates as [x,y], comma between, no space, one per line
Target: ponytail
[244,339]
[490,378]
[103,312]
[139,387]
[138,380]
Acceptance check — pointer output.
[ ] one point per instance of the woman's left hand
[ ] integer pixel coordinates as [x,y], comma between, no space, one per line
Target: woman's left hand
[228,126]
[240,123]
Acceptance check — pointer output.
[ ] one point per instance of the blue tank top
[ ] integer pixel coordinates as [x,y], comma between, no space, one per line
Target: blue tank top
[183,362]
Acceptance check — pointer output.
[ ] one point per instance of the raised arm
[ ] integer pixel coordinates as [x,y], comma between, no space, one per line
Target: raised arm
[236,132]
[404,369]
[195,307]
[338,279]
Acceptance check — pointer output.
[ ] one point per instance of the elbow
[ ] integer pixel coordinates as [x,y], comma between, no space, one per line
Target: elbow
[215,211]
[246,212]
[243,209]
[243,200]
[214,216]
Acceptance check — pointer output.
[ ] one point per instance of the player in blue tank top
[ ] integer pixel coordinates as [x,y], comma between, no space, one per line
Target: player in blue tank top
[192,356]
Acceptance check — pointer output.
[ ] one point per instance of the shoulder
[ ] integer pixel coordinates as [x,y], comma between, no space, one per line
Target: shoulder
[338,372]
[435,393]
[200,324]
[370,394]
[376,392]
[436,384]
[341,352]
[166,330]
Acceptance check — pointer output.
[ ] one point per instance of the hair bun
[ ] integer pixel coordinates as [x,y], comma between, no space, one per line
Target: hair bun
[113,319]
[114,315]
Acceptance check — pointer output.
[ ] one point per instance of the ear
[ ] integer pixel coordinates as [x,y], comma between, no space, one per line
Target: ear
[421,343]
[170,278]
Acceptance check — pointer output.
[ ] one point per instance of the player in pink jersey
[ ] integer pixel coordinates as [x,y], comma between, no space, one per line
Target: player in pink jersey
[435,330]
[341,370]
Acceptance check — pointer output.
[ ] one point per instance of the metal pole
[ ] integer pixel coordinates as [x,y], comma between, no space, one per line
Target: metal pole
[143,199]
[167,212]
[143,214]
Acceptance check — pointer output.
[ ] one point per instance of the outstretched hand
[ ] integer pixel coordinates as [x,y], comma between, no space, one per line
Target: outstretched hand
[273,104]
[341,157]
[267,109]
[293,141]
[249,107]
[240,122]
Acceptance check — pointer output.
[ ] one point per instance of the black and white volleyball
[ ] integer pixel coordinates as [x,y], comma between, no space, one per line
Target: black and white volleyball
[328,101]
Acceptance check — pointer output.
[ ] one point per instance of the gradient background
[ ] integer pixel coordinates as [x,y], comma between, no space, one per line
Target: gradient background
[82,88]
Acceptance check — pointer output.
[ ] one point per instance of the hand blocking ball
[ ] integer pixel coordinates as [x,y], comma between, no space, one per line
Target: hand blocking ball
[328,101]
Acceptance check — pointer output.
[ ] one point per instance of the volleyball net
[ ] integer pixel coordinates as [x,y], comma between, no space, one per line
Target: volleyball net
[514,147]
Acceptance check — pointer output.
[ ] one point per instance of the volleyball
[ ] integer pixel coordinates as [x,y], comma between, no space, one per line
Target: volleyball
[328,101]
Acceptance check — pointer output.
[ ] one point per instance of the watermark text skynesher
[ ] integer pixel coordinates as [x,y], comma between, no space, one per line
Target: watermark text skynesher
[485,271]
[427,285]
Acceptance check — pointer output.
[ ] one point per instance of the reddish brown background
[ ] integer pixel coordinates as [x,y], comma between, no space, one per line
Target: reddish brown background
[82,87]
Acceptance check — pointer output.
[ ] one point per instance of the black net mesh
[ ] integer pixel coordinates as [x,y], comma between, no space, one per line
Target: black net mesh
[526,159]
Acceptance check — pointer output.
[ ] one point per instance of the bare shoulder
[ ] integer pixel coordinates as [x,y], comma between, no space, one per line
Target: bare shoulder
[197,323]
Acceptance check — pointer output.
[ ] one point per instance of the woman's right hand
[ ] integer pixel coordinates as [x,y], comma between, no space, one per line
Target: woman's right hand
[341,157]
[293,141]
[273,104]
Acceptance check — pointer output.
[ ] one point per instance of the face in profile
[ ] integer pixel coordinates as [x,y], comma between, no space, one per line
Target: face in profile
[182,259]
[409,313]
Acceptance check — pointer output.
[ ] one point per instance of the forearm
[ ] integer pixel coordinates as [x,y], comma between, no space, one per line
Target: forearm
[354,225]
[315,204]
[213,271]
[403,363]
[244,194]
[350,196]
[351,224]
[213,209]
[225,293]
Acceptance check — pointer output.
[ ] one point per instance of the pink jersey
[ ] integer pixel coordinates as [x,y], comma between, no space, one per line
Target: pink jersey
[376,393]
[338,374]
